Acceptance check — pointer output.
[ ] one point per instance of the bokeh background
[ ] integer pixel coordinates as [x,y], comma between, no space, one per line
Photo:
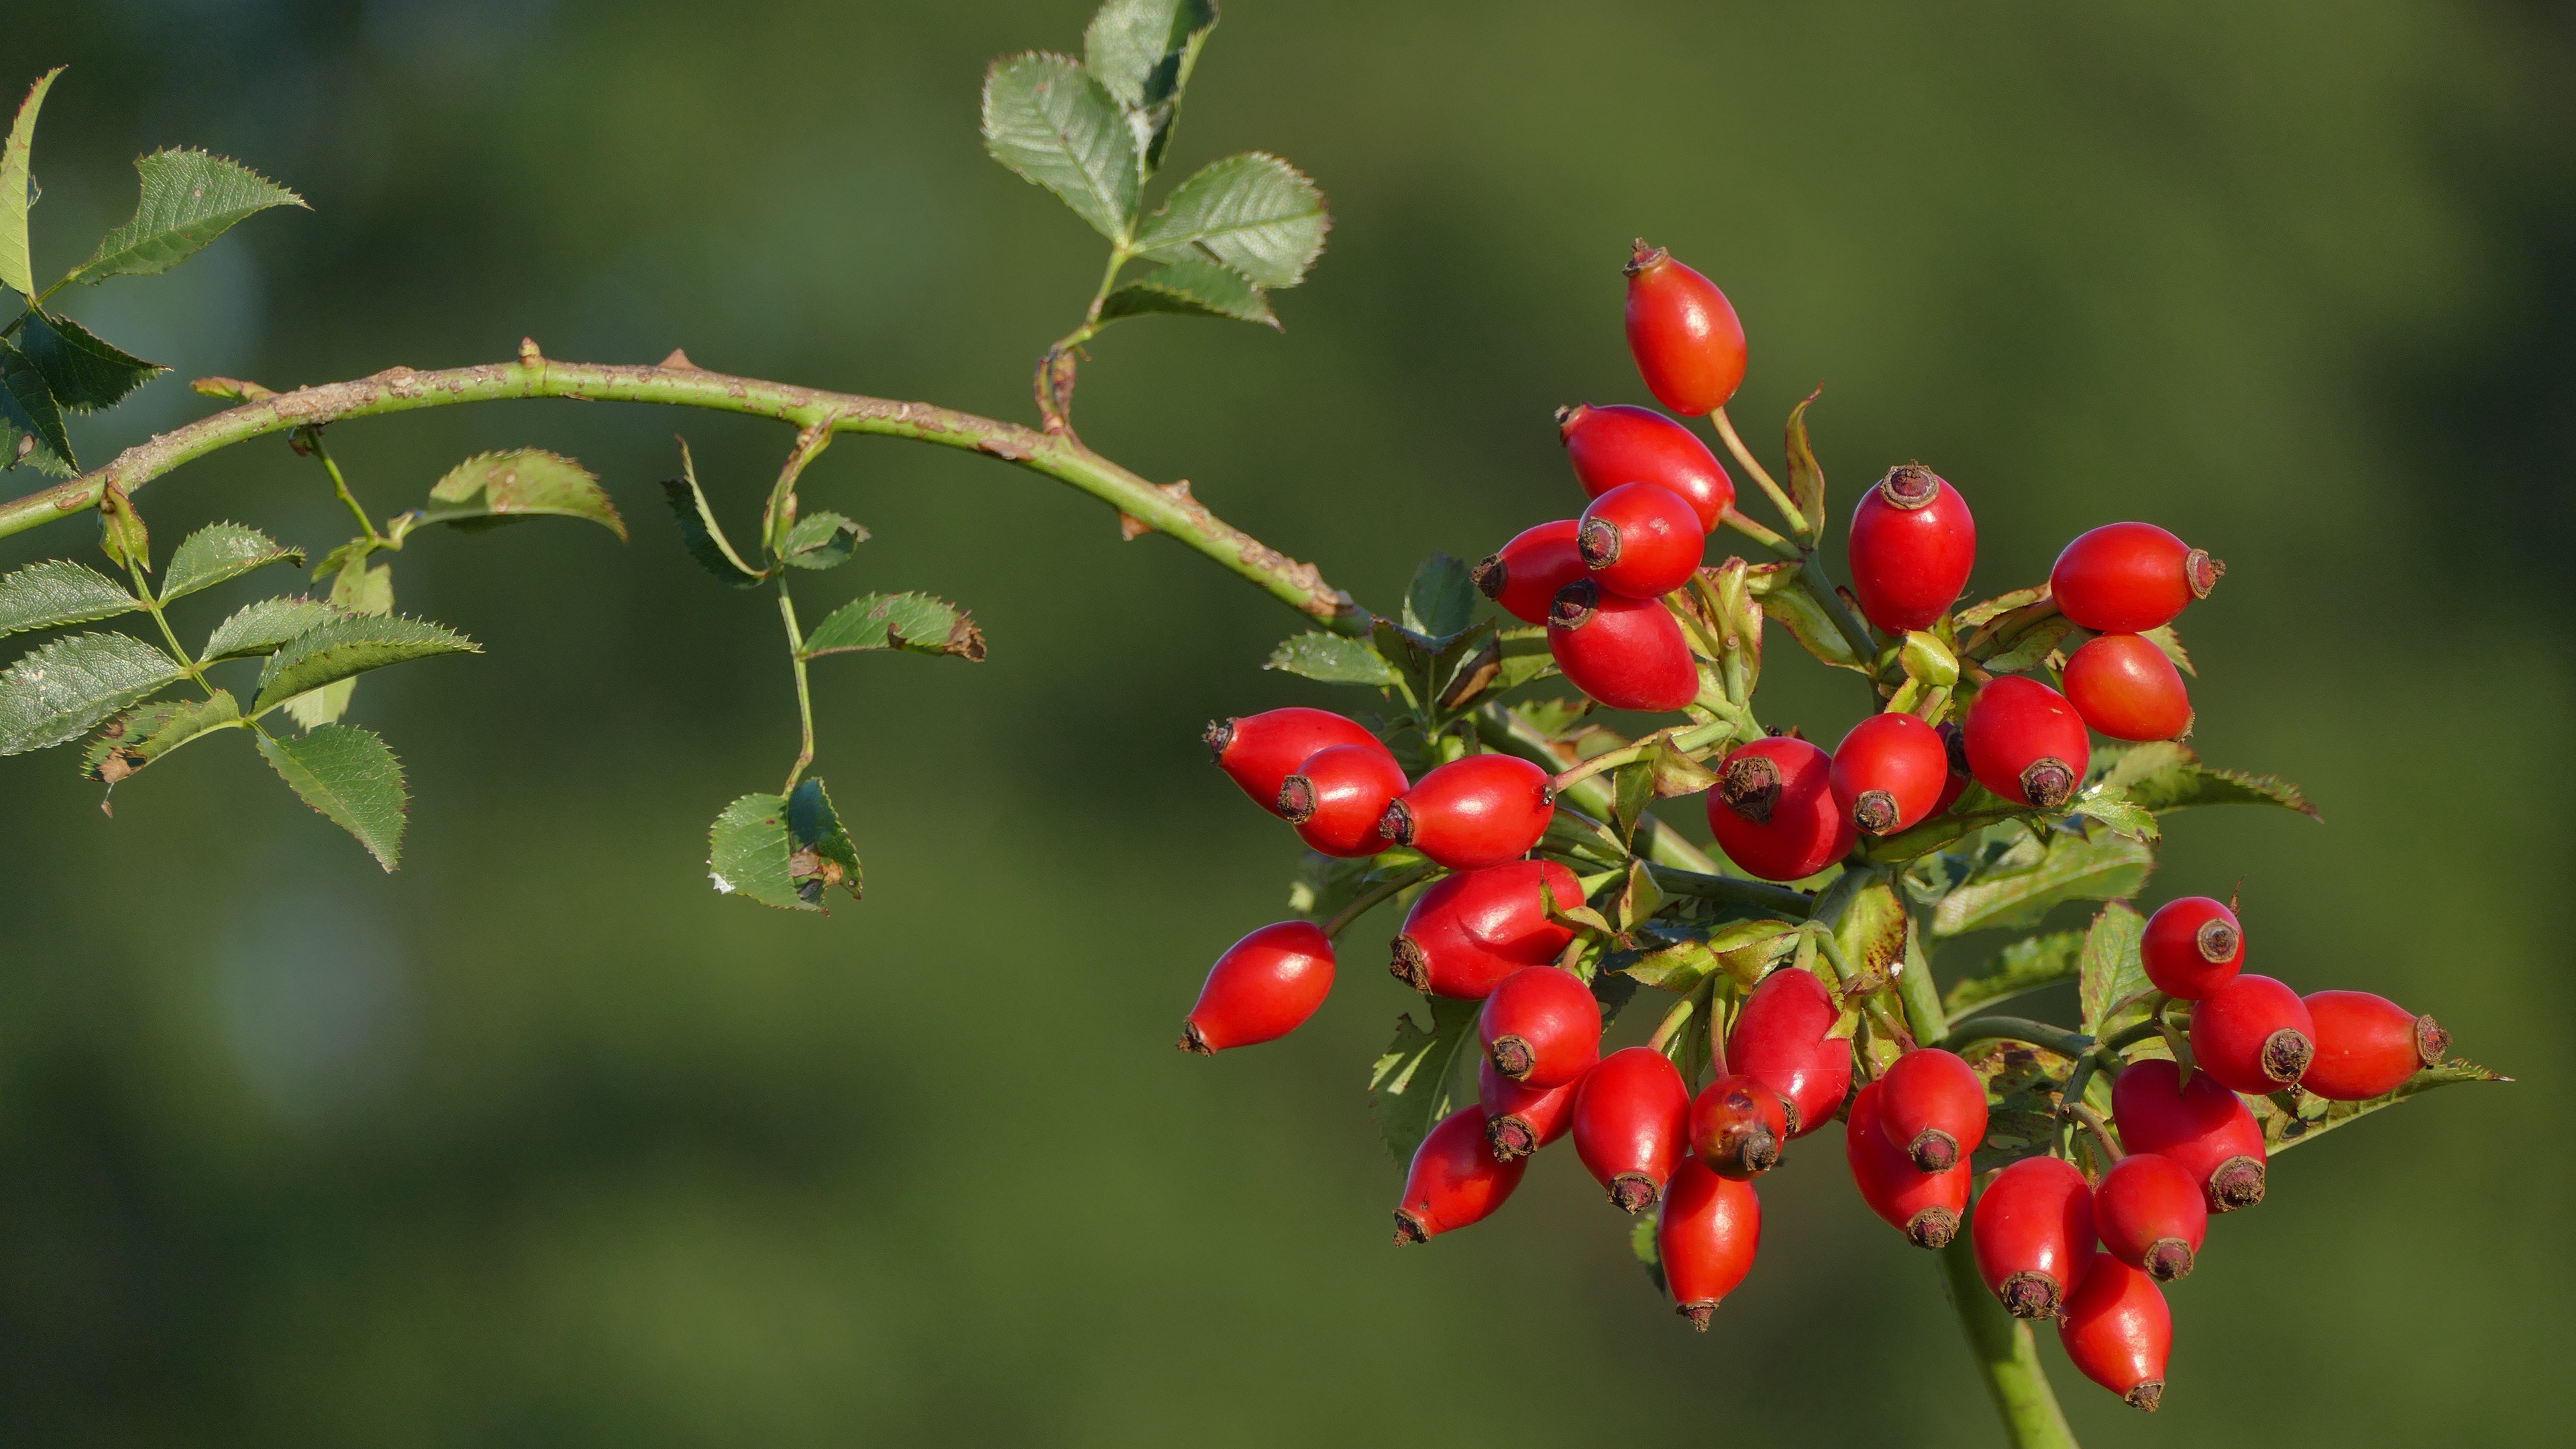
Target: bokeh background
[541,1142]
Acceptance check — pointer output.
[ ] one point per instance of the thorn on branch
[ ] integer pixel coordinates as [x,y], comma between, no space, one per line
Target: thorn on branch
[680,359]
[528,352]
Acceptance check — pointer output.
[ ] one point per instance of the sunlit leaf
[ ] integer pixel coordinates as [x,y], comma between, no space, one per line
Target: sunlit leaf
[1441,600]
[1409,1084]
[822,541]
[1252,212]
[491,488]
[748,853]
[189,198]
[2109,969]
[914,623]
[1332,659]
[1191,287]
[819,853]
[217,552]
[17,187]
[352,778]
[56,693]
[2022,967]
[2021,888]
[259,628]
[343,648]
[357,589]
[1806,475]
[2284,1129]
[1142,52]
[55,592]
[140,736]
[1048,120]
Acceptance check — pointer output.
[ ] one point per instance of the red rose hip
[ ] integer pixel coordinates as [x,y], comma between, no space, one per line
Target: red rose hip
[1912,547]
[1261,989]
[1626,653]
[1683,332]
[2252,1034]
[1453,1181]
[2367,1046]
[1925,1206]
[2033,1235]
[2026,743]
[1336,798]
[2127,578]
[1632,1124]
[1889,773]
[1520,1120]
[1773,809]
[1706,1232]
[2118,1331]
[1473,813]
[2124,686]
[1467,932]
[2201,1127]
[2192,947]
[1541,1027]
[1623,444]
[1640,540]
[1737,1124]
[1932,1107]
[1259,751]
[2151,1215]
[1780,1039]
[1523,575]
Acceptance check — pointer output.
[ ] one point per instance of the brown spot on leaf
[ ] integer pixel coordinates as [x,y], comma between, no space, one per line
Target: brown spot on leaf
[119,764]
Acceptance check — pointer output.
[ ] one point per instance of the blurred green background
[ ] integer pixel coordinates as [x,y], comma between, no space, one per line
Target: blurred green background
[541,1142]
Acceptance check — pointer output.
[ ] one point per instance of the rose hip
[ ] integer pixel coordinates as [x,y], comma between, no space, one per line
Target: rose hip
[1519,1120]
[1640,540]
[2118,1331]
[1737,1124]
[1541,1026]
[1454,1180]
[1932,1106]
[1913,544]
[1626,653]
[1336,797]
[1889,773]
[1632,1124]
[1473,813]
[1257,752]
[2192,947]
[2125,687]
[1773,810]
[1925,1206]
[2253,1035]
[2026,743]
[1706,1232]
[1682,331]
[2033,1235]
[1261,989]
[2151,1215]
[1623,444]
[1780,1039]
[2367,1046]
[1523,575]
[2201,1127]
[1467,932]
[2127,578]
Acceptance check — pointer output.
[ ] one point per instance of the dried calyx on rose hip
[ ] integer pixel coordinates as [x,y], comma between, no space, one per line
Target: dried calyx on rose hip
[2253,1035]
[1454,1180]
[2192,946]
[1913,545]
[1632,1125]
[1626,653]
[2151,1215]
[1521,1119]
[1624,444]
[1773,809]
[2199,1124]
[1337,796]
[1258,752]
[1541,1027]
[1737,1124]
[2026,743]
[2127,578]
[1468,931]
[1890,772]
[2033,1235]
[1473,813]
[1524,575]
[1706,1230]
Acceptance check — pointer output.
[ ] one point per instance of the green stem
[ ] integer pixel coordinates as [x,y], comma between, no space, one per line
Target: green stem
[401,390]
[1373,896]
[2068,1044]
[1498,729]
[1779,496]
[1811,574]
[178,651]
[804,694]
[1761,895]
[312,439]
[1780,547]
[2006,1356]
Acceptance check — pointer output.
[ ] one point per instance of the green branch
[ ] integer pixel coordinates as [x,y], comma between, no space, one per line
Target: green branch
[1166,509]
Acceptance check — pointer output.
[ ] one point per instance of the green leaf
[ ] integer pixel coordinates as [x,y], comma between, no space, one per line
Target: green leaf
[2164,638]
[1332,659]
[782,852]
[2284,1129]
[1409,1086]
[189,198]
[1252,212]
[1441,600]
[1525,657]
[1632,789]
[2184,782]
[259,628]
[31,424]
[915,623]
[137,737]
[1048,120]
[344,648]
[85,374]
[1142,52]
[17,189]
[1806,475]
[1871,931]
[2112,806]
[698,528]
[2118,767]
[1784,603]
[2020,968]
[822,541]
[1683,1035]
[356,589]
[819,852]
[514,484]
[2000,605]
[54,694]
[2109,970]
[221,551]
[349,776]
[55,592]
[1191,287]
[2031,878]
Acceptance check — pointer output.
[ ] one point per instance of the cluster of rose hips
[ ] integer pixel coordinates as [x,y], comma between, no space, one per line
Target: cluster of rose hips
[2049,1240]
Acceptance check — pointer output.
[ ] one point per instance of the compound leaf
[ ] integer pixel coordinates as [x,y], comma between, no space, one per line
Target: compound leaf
[1048,120]
[137,737]
[2285,1127]
[85,374]
[1409,1086]
[1142,52]
[2022,886]
[17,189]
[221,551]
[1253,212]
[1191,287]
[348,775]
[57,692]
[491,488]
[2186,782]
[915,623]
[189,198]
[344,648]
[1333,659]
[56,591]
[2020,968]
[259,628]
